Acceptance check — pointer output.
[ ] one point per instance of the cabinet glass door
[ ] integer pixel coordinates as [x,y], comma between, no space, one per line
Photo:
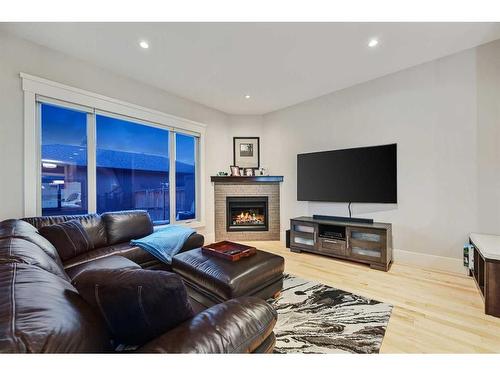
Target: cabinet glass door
[303,235]
[367,244]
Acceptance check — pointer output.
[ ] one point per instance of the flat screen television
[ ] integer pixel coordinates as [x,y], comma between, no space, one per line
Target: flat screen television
[362,175]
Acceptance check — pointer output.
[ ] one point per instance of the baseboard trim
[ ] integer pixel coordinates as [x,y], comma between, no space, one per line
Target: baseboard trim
[453,265]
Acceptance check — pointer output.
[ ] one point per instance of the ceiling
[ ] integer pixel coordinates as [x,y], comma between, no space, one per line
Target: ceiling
[277,64]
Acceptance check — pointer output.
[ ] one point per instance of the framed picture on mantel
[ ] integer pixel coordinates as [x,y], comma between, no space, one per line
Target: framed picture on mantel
[246,152]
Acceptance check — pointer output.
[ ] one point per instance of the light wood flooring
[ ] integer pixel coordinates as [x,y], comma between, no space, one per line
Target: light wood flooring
[434,312]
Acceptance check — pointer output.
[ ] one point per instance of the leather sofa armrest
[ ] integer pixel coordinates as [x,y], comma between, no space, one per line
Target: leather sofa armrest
[194,241]
[239,325]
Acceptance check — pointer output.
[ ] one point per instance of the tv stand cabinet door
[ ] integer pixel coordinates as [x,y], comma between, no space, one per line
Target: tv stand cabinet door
[367,244]
[304,235]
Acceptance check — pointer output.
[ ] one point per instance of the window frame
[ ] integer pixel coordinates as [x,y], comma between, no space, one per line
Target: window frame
[39,90]
[173,160]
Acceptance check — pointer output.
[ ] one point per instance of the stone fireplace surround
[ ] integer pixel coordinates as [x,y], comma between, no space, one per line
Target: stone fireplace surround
[256,186]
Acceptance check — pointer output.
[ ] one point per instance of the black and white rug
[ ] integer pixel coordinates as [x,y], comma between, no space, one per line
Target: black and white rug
[316,318]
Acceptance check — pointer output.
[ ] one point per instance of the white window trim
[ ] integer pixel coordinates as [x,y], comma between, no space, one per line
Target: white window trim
[35,86]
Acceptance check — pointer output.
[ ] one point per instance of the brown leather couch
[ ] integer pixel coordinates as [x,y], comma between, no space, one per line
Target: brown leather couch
[111,233]
[42,312]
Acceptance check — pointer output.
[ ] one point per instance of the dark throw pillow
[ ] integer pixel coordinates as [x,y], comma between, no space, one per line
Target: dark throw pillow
[137,305]
[69,238]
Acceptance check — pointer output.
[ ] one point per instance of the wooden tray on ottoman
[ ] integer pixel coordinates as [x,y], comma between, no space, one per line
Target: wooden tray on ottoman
[229,250]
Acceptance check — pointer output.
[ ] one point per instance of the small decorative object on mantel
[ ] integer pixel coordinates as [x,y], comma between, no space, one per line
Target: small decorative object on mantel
[235,171]
[261,172]
[221,173]
[246,152]
[249,172]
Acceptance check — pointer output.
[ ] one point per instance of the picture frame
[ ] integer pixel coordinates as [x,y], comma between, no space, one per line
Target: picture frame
[246,152]
[235,170]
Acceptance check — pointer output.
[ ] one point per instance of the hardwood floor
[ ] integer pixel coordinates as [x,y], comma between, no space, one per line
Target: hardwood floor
[434,312]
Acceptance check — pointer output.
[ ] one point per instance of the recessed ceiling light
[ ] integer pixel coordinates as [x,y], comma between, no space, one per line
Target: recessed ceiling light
[247,96]
[373,43]
[144,44]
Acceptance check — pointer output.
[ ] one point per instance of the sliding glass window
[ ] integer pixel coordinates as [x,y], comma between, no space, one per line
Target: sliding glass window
[94,161]
[132,167]
[63,160]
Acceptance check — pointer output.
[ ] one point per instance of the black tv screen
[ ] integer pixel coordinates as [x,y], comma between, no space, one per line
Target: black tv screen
[363,175]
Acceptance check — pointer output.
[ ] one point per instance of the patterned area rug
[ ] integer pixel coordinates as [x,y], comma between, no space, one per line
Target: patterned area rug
[316,318]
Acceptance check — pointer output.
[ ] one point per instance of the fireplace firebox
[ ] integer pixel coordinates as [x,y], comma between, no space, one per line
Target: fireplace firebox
[247,214]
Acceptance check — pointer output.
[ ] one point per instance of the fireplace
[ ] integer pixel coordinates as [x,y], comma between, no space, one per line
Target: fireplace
[247,214]
[247,190]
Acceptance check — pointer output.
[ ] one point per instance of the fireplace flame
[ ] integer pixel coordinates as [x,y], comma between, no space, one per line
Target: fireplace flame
[246,217]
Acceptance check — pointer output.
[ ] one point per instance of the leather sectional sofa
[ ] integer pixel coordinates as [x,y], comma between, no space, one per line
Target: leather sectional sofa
[111,233]
[41,310]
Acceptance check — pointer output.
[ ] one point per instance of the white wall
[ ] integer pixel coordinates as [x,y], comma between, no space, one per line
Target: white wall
[488,137]
[17,56]
[430,112]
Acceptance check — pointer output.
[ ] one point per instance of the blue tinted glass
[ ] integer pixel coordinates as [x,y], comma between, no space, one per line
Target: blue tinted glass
[64,161]
[185,177]
[132,167]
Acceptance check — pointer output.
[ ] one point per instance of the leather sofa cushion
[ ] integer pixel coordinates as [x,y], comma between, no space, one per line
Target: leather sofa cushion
[21,229]
[19,250]
[92,223]
[134,253]
[14,227]
[137,305]
[127,225]
[69,238]
[226,280]
[42,313]
[240,325]
[113,262]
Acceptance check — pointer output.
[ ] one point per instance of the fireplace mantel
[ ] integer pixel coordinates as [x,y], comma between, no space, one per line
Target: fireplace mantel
[246,179]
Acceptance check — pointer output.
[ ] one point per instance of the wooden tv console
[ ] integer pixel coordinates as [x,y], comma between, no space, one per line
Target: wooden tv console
[486,270]
[360,242]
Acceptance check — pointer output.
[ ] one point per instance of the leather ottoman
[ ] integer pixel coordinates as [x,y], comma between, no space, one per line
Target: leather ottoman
[211,280]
